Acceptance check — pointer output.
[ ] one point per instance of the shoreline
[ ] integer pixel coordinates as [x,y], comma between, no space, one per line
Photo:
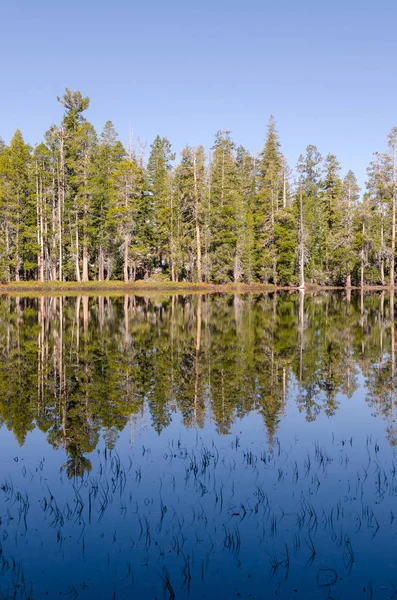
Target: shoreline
[144,287]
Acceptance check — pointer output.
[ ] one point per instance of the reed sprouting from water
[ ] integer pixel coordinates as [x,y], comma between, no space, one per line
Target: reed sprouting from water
[201,516]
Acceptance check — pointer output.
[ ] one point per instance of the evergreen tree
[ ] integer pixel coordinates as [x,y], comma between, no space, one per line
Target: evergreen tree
[190,212]
[109,152]
[43,174]
[223,251]
[378,199]
[160,186]
[310,172]
[76,208]
[246,182]
[331,206]
[75,140]
[18,244]
[286,238]
[127,191]
[343,246]
[269,201]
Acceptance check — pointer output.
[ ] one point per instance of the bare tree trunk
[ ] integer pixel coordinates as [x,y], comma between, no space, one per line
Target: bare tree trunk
[197,218]
[362,260]
[8,252]
[39,228]
[237,265]
[101,264]
[61,200]
[349,223]
[362,273]
[77,261]
[172,239]
[85,261]
[17,257]
[37,220]
[85,213]
[54,229]
[301,244]
[382,260]
[125,268]
[349,280]
[382,271]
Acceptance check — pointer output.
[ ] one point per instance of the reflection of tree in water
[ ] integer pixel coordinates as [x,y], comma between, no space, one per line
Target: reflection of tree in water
[78,368]
[381,375]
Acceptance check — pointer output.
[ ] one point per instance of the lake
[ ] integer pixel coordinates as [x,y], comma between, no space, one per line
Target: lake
[217,446]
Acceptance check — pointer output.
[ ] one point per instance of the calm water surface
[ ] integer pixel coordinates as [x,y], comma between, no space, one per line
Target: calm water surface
[198,447]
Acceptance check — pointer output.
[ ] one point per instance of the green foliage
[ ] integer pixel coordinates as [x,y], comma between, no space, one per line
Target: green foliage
[77,207]
[269,201]
[161,194]
[223,211]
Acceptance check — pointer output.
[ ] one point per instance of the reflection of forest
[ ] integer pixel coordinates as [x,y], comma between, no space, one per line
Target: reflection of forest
[76,366]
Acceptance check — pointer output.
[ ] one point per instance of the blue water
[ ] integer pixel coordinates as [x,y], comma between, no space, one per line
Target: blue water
[195,512]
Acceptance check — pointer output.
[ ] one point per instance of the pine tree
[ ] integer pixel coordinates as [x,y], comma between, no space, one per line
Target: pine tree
[5,215]
[108,154]
[378,198]
[127,191]
[189,216]
[310,172]
[43,175]
[223,255]
[331,204]
[345,228]
[286,240]
[75,139]
[18,245]
[85,142]
[246,190]
[160,186]
[270,200]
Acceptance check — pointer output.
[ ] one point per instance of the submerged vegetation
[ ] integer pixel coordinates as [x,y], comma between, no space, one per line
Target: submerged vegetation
[79,206]
[180,518]
[198,446]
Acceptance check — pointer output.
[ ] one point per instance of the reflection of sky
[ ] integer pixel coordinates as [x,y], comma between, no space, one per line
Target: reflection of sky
[102,556]
[353,417]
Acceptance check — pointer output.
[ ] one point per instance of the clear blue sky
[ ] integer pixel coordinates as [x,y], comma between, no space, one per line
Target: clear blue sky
[327,71]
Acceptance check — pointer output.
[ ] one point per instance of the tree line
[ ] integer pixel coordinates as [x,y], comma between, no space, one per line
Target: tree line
[79,206]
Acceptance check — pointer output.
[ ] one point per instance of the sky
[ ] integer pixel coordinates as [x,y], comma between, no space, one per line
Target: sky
[327,71]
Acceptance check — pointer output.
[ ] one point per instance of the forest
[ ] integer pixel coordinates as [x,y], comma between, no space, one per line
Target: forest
[80,207]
